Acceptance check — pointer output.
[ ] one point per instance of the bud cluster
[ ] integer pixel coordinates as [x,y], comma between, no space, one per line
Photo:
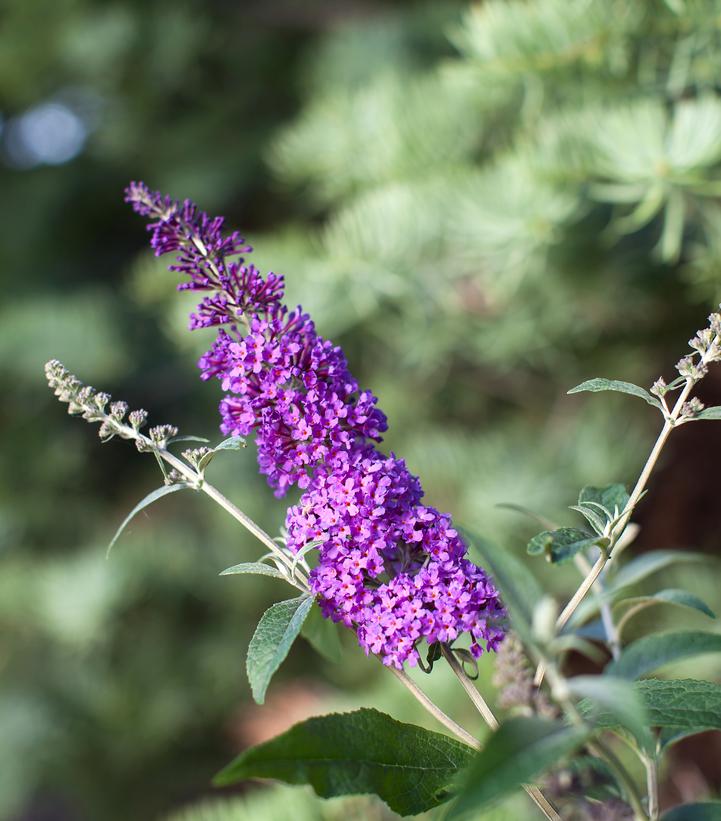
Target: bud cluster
[707,345]
[95,406]
[160,435]
[91,404]
[195,456]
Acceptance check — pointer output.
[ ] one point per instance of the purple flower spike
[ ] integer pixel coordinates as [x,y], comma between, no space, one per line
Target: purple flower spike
[390,568]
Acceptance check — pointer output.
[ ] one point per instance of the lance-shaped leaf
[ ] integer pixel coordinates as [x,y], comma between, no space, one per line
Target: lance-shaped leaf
[273,637]
[519,588]
[599,384]
[610,497]
[519,751]
[366,751]
[620,699]
[257,568]
[708,413]
[705,811]
[639,568]
[632,573]
[174,439]
[651,652]
[560,546]
[674,596]
[148,500]
[231,443]
[679,707]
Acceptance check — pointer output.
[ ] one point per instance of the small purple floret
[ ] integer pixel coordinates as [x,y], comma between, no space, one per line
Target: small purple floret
[391,568]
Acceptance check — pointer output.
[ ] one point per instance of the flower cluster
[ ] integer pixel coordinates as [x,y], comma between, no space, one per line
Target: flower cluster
[389,567]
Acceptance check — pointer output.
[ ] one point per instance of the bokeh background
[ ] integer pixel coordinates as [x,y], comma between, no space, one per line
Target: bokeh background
[485,205]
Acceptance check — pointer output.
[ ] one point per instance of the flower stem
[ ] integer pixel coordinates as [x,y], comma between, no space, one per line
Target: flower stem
[534,793]
[435,710]
[652,786]
[478,701]
[612,631]
[297,579]
[618,530]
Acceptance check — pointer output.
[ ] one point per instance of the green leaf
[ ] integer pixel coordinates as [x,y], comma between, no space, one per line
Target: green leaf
[560,546]
[630,574]
[681,598]
[610,497]
[174,439]
[519,588]
[706,811]
[619,698]
[165,490]
[300,554]
[323,635]
[682,704]
[258,568]
[520,750]
[410,768]
[651,652]
[231,443]
[679,707]
[596,385]
[639,568]
[709,413]
[597,518]
[273,637]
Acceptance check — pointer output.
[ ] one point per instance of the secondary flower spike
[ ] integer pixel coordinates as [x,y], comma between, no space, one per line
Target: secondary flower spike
[391,568]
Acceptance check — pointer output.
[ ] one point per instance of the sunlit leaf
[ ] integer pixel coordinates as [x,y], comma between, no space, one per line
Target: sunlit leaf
[366,751]
[258,568]
[596,385]
[276,631]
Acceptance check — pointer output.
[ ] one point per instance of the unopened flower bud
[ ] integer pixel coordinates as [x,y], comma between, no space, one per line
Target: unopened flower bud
[659,387]
[692,407]
[106,431]
[195,455]
[161,433]
[690,369]
[118,410]
[702,341]
[138,418]
[85,395]
[714,322]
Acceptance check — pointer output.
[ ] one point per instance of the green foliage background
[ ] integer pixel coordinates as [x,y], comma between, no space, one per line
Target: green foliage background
[484,206]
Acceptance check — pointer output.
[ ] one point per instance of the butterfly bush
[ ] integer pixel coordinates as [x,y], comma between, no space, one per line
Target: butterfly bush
[389,567]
